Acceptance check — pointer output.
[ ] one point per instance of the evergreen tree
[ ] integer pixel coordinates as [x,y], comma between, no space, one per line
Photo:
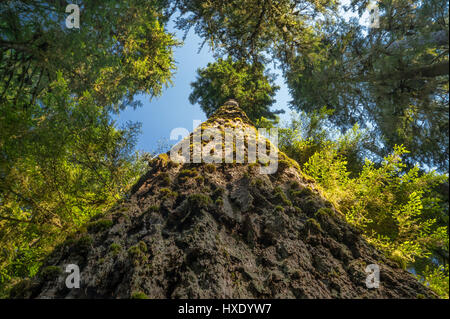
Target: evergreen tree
[255,29]
[62,159]
[393,79]
[226,79]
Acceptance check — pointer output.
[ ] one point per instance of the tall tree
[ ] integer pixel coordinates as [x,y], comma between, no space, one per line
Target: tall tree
[62,159]
[254,29]
[393,78]
[239,80]
[120,49]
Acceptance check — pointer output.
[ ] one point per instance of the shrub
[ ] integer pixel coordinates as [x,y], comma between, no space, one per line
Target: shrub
[437,279]
[396,208]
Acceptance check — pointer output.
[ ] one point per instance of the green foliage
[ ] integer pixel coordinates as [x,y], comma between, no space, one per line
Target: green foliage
[437,279]
[62,159]
[227,79]
[401,210]
[392,79]
[252,29]
[307,134]
[396,208]
[120,49]
[50,188]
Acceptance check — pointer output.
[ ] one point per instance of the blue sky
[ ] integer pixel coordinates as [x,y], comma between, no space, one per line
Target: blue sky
[172,109]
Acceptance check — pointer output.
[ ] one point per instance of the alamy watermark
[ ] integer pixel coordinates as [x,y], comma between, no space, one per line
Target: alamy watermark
[73,19]
[373,19]
[372,280]
[373,276]
[73,279]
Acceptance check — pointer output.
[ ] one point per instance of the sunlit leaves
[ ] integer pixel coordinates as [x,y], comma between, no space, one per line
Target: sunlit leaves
[400,210]
[392,79]
[395,207]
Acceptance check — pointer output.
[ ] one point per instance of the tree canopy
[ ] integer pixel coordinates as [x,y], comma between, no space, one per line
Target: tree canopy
[255,29]
[382,90]
[226,79]
[372,105]
[122,49]
[393,79]
[62,158]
